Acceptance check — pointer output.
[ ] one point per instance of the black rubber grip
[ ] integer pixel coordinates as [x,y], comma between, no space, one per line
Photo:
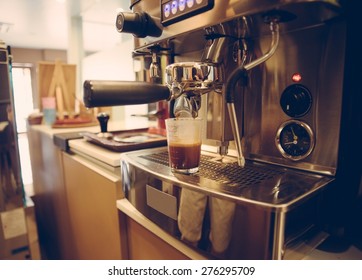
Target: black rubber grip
[103,119]
[115,93]
[138,24]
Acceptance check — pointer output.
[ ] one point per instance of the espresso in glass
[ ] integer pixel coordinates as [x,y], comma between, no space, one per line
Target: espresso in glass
[184,157]
[184,144]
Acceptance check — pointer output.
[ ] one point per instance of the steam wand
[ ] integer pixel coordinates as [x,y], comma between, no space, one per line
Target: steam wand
[241,72]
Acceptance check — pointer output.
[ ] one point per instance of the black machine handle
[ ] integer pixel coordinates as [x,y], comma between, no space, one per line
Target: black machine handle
[103,118]
[114,93]
[138,24]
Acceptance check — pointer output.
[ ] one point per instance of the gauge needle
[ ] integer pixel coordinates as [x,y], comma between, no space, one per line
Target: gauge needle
[295,137]
[292,131]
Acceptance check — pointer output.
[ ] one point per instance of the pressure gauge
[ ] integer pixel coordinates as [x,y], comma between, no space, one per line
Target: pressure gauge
[296,100]
[295,140]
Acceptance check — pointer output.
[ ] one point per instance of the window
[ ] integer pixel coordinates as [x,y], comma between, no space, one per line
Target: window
[23,96]
[23,103]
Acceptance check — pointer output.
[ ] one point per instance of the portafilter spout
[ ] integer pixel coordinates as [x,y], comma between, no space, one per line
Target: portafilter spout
[187,81]
[240,73]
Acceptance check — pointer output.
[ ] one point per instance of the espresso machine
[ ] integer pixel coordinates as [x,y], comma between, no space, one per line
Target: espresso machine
[267,78]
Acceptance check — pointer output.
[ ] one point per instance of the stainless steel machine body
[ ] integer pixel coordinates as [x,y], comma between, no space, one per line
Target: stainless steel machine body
[260,211]
[288,112]
[311,48]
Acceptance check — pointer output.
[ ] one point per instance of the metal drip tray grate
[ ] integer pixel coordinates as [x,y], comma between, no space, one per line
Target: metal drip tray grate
[225,173]
[258,183]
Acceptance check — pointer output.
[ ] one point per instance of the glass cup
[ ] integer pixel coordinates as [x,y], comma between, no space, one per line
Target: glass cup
[49,110]
[184,144]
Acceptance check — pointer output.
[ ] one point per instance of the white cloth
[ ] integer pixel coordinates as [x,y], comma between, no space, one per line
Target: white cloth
[221,220]
[191,214]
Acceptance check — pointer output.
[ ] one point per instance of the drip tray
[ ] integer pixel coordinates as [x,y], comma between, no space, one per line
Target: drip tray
[224,173]
[257,183]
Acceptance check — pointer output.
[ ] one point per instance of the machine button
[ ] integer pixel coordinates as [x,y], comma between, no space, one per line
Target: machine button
[190,3]
[174,7]
[182,5]
[167,10]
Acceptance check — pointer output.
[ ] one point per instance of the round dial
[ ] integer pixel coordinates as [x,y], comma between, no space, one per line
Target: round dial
[139,24]
[296,100]
[295,140]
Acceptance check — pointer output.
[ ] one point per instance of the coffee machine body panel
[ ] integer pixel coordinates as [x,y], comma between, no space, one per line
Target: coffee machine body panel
[218,12]
[299,88]
[299,74]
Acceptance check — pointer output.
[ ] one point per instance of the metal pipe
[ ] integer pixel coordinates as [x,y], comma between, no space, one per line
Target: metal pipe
[239,73]
[235,129]
[274,28]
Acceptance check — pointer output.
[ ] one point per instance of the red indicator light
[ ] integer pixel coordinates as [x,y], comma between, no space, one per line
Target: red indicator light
[296,77]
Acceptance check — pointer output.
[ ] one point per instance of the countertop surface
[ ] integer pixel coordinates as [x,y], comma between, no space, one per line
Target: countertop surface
[112,126]
[85,148]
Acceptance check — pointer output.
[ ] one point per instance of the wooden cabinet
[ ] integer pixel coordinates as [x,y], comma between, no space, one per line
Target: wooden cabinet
[51,207]
[76,195]
[75,201]
[146,241]
[92,193]
[145,245]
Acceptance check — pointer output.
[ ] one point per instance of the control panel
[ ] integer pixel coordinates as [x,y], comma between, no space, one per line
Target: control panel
[295,139]
[176,10]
